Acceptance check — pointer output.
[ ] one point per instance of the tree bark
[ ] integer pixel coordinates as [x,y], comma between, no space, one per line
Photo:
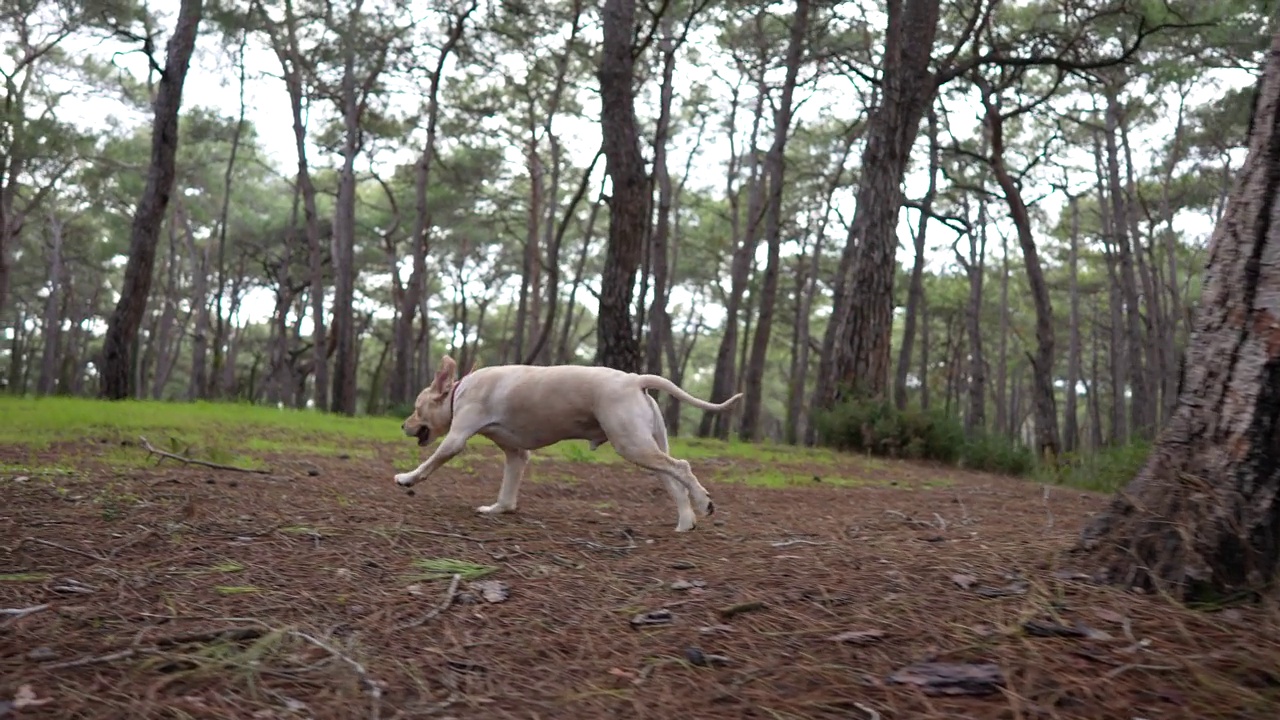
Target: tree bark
[122,327]
[659,255]
[774,167]
[1202,518]
[617,346]
[855,349]
[915,290]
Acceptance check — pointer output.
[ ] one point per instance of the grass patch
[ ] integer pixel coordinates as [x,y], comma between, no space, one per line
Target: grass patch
[24,577]
[444,568]
[40,422]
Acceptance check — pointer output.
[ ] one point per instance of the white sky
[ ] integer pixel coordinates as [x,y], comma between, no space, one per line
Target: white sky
[212,83]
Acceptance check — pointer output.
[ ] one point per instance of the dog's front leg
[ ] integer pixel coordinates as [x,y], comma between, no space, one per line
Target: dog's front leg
[452,444]
[512,473]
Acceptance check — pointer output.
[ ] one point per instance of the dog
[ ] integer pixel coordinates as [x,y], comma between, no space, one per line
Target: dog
[526,407]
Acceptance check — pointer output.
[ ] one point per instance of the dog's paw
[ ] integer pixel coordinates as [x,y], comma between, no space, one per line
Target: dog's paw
[711,507]
[405,479]
[686,528]
[494,509]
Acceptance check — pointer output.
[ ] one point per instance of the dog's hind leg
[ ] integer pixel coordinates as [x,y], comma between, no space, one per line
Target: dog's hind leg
[698,494]
[512,473]
[634,439]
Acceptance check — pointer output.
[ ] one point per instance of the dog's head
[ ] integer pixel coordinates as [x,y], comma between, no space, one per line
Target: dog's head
[432,411]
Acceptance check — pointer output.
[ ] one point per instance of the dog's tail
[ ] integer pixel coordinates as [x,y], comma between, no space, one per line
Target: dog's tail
[657,382]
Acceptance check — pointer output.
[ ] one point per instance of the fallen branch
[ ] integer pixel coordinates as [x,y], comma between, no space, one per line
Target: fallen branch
[50,543]
[153,450]
[444,604]
[375,692]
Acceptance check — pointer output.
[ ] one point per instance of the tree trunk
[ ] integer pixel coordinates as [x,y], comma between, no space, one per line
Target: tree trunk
[219,330]
[1202,518]
[659,258]
[1070,421]
[1042,363]
[167,354]
[1140,424]
[343,399]
[976,267]
[52,325]
[724,382]
[855,349]
[774,166]
[402,391]
[122,327]
[617,346]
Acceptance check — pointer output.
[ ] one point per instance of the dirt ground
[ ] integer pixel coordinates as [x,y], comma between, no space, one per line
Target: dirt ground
[186,592]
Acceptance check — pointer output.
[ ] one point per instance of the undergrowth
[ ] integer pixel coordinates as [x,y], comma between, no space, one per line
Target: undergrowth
[1105,470]
[880,428]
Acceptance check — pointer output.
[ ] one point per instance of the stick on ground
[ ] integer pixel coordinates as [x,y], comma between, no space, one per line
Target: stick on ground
[444,604]
[153,450]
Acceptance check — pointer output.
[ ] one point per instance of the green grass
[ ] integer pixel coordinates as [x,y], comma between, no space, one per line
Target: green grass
[40,422]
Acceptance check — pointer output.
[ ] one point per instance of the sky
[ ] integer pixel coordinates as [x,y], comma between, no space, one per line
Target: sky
[212,83]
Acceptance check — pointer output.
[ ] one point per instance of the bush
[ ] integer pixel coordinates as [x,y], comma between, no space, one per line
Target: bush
[1106,470]
[879,428]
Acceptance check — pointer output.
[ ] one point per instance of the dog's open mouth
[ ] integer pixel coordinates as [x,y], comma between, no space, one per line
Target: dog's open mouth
[424,437]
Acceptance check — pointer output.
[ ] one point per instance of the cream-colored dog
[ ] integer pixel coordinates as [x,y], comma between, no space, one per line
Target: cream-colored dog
[526,407]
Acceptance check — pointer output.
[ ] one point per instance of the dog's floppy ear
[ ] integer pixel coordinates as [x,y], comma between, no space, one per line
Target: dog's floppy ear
[445,375]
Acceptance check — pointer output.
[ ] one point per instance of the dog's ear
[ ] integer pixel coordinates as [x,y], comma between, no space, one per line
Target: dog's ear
[445,375]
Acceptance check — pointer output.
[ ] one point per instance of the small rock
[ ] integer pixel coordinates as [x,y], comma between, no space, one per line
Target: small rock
[695,656]
[21,478]
[653,618]
[313,472]
[936,678]
[964,581]
[493,591]
[210,481]
[687,584]
[344,573]
[344,456]
[682,565]
[415,589]
[858,637]
[42,654]
[712,629]
[466,598]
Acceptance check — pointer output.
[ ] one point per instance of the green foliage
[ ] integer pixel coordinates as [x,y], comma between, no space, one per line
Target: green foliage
[1106,470]
[879,428]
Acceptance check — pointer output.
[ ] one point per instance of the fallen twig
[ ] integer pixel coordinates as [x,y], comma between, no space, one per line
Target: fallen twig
[93,660]
[50,543]
[871,714]
[597,546]
[370,686]
[153,450]
[444,604]
[15,614]
[788,543]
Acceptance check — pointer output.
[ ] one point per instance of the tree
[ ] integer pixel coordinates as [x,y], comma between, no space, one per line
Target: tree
[122,328]
[629,203]
[1202,517]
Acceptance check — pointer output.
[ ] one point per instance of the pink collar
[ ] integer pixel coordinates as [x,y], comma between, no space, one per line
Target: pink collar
[453,395]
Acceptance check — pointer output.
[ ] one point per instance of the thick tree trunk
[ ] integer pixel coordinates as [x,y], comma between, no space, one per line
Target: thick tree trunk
[617,346]
[856,347]
[1202,518]
[774,167]
[122,327]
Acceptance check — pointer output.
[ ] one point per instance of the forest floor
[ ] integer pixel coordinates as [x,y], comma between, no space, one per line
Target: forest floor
[825,586]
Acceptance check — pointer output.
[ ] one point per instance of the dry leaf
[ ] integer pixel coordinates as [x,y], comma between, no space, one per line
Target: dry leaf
[493,591]
[964,581]
[951,678]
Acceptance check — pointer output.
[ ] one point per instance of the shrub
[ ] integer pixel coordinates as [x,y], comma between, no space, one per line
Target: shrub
[879,428]
[1106,470]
